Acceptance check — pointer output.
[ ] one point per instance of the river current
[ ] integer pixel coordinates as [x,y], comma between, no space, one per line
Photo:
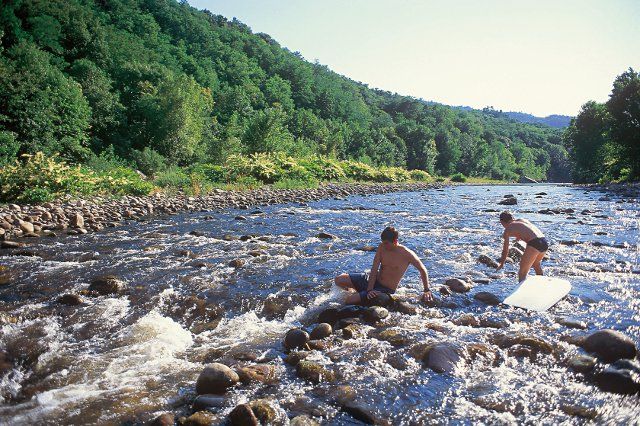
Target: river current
[125,359]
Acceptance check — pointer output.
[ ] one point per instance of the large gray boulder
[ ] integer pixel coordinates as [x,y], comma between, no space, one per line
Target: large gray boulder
[610,345]
[216,378]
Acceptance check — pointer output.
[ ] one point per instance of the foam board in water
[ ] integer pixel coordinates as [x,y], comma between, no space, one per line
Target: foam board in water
[539,293]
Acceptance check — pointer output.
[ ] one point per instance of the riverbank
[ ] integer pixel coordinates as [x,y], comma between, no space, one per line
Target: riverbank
[81,216]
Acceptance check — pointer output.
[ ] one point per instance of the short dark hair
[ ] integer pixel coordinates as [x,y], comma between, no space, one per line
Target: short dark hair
[389,234]
[506,216]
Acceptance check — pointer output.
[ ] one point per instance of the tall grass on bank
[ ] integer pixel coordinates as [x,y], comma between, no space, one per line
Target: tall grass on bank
[38,178]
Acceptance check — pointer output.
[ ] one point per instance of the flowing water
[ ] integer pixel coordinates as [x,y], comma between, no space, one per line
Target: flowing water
[126,358]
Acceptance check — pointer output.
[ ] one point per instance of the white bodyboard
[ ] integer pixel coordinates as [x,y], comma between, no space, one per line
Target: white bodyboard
[539,293]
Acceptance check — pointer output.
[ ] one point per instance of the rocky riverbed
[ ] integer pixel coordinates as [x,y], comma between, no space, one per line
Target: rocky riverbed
[222,309]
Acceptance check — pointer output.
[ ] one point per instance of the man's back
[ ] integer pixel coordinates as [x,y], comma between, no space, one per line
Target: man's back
[523,230]
[394,264]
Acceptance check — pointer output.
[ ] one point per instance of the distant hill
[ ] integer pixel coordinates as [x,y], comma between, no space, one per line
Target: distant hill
[555,120]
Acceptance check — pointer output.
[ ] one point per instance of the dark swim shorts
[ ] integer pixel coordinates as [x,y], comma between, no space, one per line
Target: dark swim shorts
[360,281]
[539,244]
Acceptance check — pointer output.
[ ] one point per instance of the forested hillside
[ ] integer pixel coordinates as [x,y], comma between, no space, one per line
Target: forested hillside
[159,82]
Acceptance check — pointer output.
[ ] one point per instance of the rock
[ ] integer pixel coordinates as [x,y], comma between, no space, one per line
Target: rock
[216,378]
[329,316]
[70,299]
[515,253]
[326,236]
[367,248]
[236,263]
[458,285]
[486,297]
[375,314]
[394,337]
[615,380]
[243,415]
[106,285]
[25,226]
[10,245]
[262,373]
[353,331]
[263,411]
[197,233]
[581,363]
[511,201]
[610,345]
[579,411]
[166,419]
[201,418]
[404,307]
[240,218]
[313,372]
[296,339]
[293,358]
[381,299]
[535,344]
[76,221]
[468,320]
[303,421]
[571,323]
[207,401]
[341,394]
[321,331]
[362,413]
[486,260]
[442,358]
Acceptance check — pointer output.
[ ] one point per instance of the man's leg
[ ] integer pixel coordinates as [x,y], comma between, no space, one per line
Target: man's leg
[344,281]
[529,256]
[537,265]
[353,298]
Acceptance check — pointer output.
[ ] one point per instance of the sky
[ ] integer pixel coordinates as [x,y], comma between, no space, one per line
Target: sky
[536,56]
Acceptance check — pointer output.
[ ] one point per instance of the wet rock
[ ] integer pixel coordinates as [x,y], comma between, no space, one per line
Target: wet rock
[392,336]
[476,350]
[486,260]
[5,363]
[581,363]
[197,233]
[326,236]
[367,248]
[262,373]
[216,378]
[263,411]
[106,285]
[313,372]
[571,323]
[70,299]
[610,345]
[243,415]
[622,381]
[535,344]
[375,314]
[445,290]
[510,201]
[10,245]
[381,299]
[240,218]
[319,345]
[458,285]
[579,411]
[25,226]
[296,339]
[468,320]
[293,358]
[237,263]
[329,316]
[493,323]
[487,297]
[404,307]
[353,331]
[207,401]
[363,413]
[201,418]
[303,421]
[321,331]
[76,221]
[166,419]
[442,358]
[341,394]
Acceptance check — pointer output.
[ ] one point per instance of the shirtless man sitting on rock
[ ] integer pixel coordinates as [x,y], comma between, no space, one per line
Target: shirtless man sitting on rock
[525,231]
[389,266]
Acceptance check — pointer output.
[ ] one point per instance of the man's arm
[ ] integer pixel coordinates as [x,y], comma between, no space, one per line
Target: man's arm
[424,275]
[374,270]
[505,250]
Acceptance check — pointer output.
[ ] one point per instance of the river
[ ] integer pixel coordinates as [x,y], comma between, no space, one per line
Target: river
[124,359]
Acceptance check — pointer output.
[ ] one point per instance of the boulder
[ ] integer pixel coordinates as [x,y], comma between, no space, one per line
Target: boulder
[70,299]
[486,297]
[243,415]
[313,372]
[263,411]
[237,263]
[581,363]
[166,419]
[442,358]
[404,307]
[622,381]
[486,260]
[25,226]
[361,412]
[321,331]
[381,299]
[326,236]
[76,221]
[375,314]
[610,345]
[303,421]
[201,418]
[262,373]
[10,245]
[216,378]
[511,201]
[206,401]
[296,339]
[458,285]
[106,285]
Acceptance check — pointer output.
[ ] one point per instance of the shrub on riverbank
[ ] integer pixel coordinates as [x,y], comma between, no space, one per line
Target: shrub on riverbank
[458,177]
[38,178]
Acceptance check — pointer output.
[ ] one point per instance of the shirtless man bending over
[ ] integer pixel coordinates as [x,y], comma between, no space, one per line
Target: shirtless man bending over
[526,231]
[389,266]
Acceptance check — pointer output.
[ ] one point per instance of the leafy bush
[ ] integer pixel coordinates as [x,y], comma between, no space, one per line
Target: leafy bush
[39,178]
[106,160]
[358,171]
[149,161]
[323,169]
[289,183]
[420,175]
[211,172]
[173,177]
[458,177]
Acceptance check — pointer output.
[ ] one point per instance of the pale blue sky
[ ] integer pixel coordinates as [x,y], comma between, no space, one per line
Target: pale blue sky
[538,56]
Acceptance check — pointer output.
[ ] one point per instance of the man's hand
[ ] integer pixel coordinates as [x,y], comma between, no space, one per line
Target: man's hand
[427,296]
[500,266]
[371,294]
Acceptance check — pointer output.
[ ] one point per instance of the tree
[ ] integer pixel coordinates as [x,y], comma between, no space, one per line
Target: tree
[624,109]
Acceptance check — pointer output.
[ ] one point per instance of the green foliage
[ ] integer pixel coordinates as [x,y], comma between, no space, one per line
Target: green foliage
[40,178]
[172,177]
[420,176]
[458,177]
[149,161]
